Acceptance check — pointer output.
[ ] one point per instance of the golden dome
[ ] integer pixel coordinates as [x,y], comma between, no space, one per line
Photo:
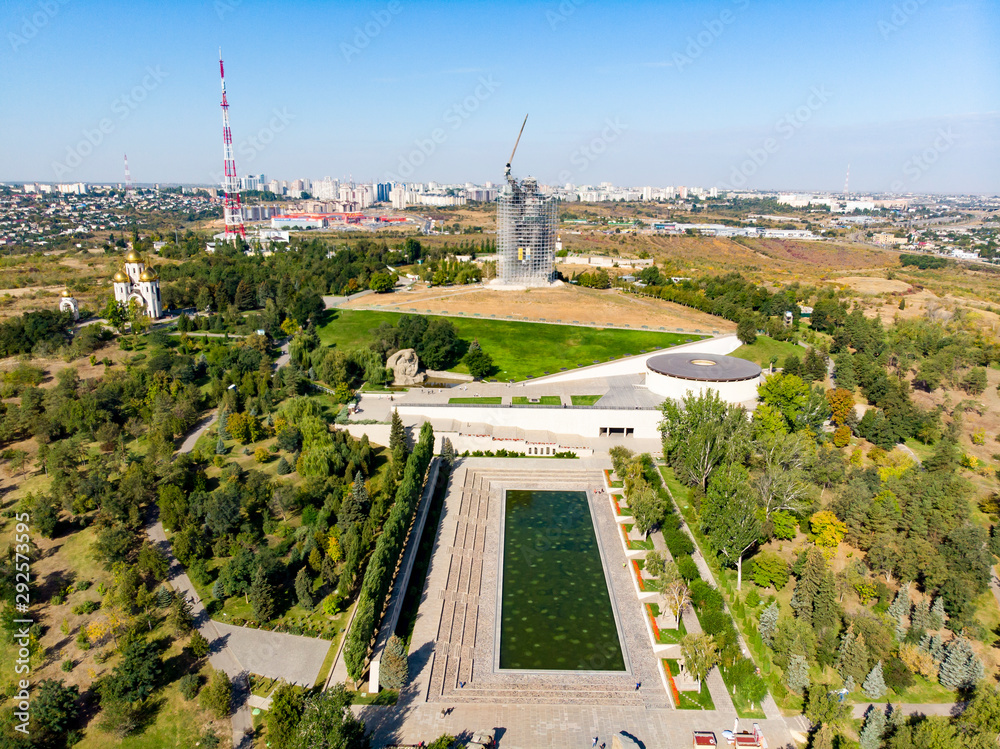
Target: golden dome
[66,293]
[148,275]
[120,277]
[133,257]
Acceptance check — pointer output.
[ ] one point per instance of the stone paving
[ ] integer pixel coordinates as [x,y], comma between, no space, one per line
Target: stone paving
[454,636]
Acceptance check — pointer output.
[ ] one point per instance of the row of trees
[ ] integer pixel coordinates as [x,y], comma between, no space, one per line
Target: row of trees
[382,564]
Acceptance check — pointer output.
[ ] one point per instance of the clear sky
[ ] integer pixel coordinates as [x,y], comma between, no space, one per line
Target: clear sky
[771,95]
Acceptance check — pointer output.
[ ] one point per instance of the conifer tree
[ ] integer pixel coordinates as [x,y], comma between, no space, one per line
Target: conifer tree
[961,668]
[936,619]
[769,624]
[223,423]
[261,596]
[921,614]
[901,604]
[853,659]
[283,469]
[164,597]
[874,686]
[394,670]
[797,673]
[447,452]
[849,685]
[303,589]
[220,446]
[874,728]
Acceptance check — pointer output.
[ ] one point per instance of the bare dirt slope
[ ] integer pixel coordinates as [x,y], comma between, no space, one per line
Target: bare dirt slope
[562,304]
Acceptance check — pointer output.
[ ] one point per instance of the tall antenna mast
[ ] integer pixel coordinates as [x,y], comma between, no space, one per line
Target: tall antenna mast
[129,193]
[231,207]
[847,179]
[511,159]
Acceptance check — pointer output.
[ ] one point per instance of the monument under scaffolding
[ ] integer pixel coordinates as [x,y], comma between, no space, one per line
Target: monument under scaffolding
[526,232]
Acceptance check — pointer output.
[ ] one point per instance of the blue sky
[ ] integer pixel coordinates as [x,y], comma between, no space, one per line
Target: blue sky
[772,95]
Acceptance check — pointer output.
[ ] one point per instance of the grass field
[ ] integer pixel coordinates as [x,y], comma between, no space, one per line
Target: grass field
[584,400]
[485,400]
[544,400]
[520,350]
[764,348]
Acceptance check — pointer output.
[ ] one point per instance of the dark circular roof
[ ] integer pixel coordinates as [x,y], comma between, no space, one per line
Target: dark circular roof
[703,367]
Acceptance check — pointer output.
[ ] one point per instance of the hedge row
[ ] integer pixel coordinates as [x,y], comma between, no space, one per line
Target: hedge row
[382,565]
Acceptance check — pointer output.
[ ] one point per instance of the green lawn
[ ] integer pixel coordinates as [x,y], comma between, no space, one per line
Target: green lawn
[764,348]
[692,700]
[480,401]
[739,701]
[543,400]
[585,400]
[519,349]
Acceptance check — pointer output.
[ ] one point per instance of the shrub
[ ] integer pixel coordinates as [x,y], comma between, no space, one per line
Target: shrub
[769,569]
[87,607]
[67,665]
[687,568]
[189,685]
[261,455]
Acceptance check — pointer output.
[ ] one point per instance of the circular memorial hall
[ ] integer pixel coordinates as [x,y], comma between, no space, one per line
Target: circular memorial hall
[674,375]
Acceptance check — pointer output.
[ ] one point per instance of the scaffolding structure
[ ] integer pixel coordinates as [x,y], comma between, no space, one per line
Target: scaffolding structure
[526,234]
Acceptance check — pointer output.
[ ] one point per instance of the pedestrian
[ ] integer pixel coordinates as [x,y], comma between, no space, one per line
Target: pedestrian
[595,742]
[637,685]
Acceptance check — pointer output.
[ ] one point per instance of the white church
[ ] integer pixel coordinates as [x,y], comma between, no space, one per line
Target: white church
[136,281]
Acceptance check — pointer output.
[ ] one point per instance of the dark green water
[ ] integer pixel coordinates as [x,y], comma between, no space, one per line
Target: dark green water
[556,613]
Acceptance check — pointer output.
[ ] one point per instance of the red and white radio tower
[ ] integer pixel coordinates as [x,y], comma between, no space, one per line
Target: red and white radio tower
[231,206]
[129,194]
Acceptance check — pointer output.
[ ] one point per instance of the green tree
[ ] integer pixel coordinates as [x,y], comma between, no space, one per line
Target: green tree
[217,694]
[136,675]
[303,589]
[768,624]
[700,654]
[797,673]
[53,711]
[199,645]
[283,717]
[381,282]
[328,723]
[394,668]
[480,364]
[114,312]
[873,729]
[874,685]
[746,331]
[729,515]
[769,569]
[261,596]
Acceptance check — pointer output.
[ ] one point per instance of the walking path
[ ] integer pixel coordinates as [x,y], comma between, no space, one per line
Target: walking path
[946,709]
[769,706]
[237,651]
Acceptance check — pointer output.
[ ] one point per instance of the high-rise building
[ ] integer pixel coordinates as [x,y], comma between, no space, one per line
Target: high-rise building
[526,234]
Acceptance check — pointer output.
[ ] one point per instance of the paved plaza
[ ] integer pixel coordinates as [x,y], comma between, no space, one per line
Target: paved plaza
[454,683]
